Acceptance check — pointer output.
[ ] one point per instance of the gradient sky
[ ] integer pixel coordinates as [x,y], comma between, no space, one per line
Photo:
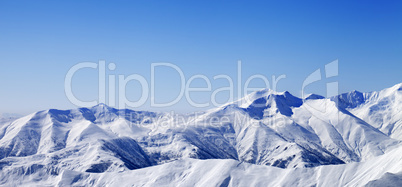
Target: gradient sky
[40,42]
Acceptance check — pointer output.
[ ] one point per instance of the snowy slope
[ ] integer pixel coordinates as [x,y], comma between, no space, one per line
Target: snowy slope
[212,172]
[341,133]
[232,173]
[382,110]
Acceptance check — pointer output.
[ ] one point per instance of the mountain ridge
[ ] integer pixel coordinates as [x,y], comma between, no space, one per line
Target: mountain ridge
[264,128]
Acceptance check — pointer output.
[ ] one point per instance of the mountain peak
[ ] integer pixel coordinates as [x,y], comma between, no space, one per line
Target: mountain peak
[313,97]
[264,94]
[349,100]
[256,102]
[101,107]
[267,92]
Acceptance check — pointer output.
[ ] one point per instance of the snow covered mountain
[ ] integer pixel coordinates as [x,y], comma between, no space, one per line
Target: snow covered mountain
[323,137]
[382,110]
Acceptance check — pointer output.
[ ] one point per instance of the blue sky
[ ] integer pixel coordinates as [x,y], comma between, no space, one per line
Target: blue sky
[40,42]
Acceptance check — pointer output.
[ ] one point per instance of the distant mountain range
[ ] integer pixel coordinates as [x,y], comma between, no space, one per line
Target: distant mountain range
[267,138]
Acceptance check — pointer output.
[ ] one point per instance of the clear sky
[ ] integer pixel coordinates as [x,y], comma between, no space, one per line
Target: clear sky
[41,40]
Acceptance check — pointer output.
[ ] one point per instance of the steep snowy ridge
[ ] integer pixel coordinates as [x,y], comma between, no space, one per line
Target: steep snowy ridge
[82,132]
[383,110]
[341,133]
[349,134]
